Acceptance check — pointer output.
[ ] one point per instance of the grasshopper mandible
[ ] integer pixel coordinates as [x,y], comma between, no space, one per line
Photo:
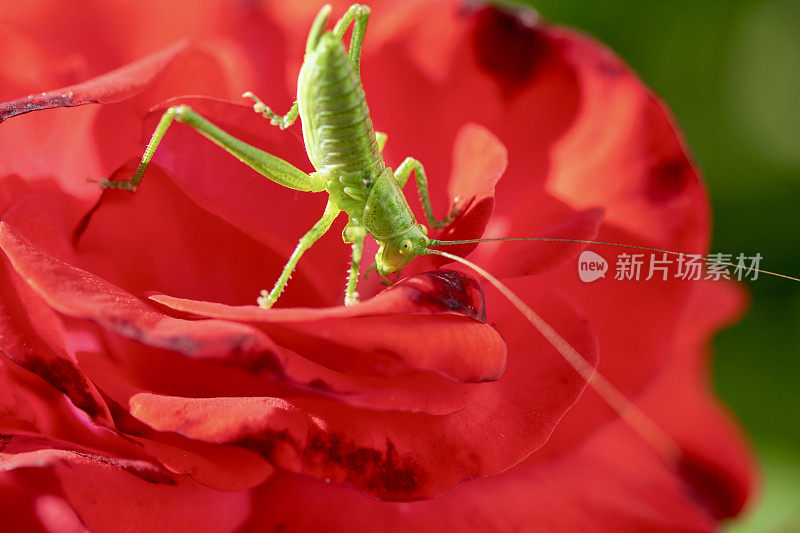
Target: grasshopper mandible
[346,152]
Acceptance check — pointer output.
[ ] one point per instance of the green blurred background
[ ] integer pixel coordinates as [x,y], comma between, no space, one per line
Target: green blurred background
[730,72]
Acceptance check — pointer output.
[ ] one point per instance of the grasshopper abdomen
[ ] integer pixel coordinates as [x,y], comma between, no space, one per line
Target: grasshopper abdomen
[337,128]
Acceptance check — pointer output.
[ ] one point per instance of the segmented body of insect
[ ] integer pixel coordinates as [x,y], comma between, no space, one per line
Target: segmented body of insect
[344,149]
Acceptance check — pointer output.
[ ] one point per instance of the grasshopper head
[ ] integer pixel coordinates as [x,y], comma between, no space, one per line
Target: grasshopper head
[396,253]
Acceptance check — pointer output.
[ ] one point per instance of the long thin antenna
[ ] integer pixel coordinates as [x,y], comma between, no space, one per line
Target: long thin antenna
[434,242]
[662,443]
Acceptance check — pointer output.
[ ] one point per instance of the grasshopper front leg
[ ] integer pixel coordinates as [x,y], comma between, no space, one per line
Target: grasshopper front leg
[267,300]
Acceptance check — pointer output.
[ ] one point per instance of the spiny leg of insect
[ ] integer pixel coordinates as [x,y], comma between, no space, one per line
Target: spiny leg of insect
[267,300]
[266,164]
[133,182]
[357,13]
[354,235]
[401,175]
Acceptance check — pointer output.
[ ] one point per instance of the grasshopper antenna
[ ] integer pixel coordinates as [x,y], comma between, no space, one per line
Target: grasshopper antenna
[434,242]
[648,430]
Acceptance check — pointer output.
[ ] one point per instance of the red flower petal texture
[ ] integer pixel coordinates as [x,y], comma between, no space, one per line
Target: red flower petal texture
[142,389]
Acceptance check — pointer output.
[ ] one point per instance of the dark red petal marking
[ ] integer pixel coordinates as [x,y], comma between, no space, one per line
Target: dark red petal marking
[508,47]
[119,84]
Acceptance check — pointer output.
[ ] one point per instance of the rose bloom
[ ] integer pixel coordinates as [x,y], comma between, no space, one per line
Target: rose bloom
[142,390]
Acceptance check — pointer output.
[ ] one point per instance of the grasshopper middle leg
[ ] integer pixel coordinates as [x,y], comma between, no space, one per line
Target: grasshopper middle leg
[402,174]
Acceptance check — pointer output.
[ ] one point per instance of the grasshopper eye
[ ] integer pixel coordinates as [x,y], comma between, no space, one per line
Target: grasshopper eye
[406,246]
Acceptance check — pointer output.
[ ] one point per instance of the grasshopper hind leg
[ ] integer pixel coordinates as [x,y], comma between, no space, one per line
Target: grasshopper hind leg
[266,164]
[131,184]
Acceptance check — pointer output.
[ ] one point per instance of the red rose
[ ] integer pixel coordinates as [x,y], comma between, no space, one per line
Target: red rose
[141,389]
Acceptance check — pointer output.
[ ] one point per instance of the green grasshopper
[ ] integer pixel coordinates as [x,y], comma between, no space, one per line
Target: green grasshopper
[344,149]
[346,153]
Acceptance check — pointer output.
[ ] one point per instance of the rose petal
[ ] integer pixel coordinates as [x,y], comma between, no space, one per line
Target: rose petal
[479,160]
[32,336]
[138,368]
[635,337]
[100,490]
[30,66]
[225,468]
[722,476]
[609,483]
[392,454]
[526,258]
[91,38]
[27,237]
[411,391]
[270,426]
[429,293]
[472,351]
[36,407]
[31,501]
[406,456]
[435,292]
[456,347]
[718,478]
